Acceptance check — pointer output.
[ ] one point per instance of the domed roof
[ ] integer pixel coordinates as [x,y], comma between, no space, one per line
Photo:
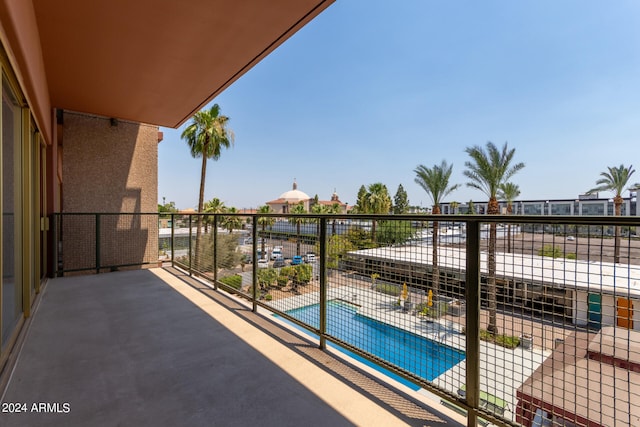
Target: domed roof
[294,195]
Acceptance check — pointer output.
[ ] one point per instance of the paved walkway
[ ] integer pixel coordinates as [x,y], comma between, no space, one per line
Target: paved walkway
[153,347]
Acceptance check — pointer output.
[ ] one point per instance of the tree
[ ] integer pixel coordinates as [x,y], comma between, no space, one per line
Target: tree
[394,232]
[487,171]
[206,136]
[298,210]
[231,222]
[213,206]
[265,221]
[378,201]
[435,182]
[167,207]
[401,201]
[508,191]
[334,209]
[318,209]
[361,203]
[615,180]
[471,208]
[454,207]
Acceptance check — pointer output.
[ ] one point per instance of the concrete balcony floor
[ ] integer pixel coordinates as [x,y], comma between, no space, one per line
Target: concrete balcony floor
[157,348]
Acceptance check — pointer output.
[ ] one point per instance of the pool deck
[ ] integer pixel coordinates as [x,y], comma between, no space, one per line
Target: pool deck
[502,370]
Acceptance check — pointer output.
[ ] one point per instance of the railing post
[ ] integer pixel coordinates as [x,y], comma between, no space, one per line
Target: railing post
[254,257]
[173,243]
[190,216]
[472,324]
[97,219]
[215,251]
[323,282]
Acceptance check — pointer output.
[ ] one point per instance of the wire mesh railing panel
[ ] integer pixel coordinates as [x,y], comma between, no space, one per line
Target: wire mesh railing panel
[552,337]
[563,295]
[234,253]
[288,267]
[128,240]
[76,242]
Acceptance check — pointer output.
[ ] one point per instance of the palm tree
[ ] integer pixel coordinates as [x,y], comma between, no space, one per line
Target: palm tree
[334,209]
[435,181]
[488,170]
[616,180]
[298,209]
[508,191]
[378,201]
[265,221]
[454,207]
[206,136]
[232,222]
[318,209]
[213,206]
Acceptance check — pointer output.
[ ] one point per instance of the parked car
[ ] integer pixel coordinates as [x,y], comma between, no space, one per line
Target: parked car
[297,259]
[571,238]
[263,263]
[278,263]
[310,257]
[277,253]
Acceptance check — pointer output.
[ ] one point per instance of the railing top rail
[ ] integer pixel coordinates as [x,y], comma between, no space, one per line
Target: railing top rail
[512,219]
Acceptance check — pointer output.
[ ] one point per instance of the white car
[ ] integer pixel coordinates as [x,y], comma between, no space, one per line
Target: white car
[571,238]
[263,263]
[276,254]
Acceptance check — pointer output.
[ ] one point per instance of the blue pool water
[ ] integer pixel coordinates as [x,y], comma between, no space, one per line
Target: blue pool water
[418,355]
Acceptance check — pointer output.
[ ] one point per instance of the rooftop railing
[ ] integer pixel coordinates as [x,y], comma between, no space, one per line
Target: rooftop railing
[515,320]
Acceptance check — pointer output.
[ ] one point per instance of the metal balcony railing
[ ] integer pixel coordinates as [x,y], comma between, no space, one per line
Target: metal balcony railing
[515,320]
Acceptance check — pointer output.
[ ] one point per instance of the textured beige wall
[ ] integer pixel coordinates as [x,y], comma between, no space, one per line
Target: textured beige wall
[109,169]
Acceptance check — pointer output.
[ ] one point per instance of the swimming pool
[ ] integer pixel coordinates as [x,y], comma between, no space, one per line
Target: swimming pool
[418,355]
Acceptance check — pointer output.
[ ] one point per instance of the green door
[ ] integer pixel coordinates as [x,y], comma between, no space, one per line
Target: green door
[595,310]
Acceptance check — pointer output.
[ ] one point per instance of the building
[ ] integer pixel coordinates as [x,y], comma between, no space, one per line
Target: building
[294,197]
[84,88]
[583,205]
[575,385]
[586,293]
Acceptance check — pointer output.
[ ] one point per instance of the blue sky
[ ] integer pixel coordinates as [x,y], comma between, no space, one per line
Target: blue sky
[371,89]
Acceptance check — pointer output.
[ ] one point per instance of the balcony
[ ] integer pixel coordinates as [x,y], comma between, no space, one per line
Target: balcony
[211,336]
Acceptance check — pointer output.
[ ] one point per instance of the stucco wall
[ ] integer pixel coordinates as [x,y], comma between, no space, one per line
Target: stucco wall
[109,167]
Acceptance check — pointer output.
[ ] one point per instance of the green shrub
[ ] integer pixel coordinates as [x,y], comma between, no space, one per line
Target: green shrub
[507,341]
[571,256]
[438,309]
[268,297]
[234,281]
[550,251]
[388,289]
[267,277]
[282,280]
[287,271]
[303,273]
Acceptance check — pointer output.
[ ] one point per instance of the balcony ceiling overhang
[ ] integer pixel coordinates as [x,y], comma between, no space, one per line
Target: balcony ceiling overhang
[158,61]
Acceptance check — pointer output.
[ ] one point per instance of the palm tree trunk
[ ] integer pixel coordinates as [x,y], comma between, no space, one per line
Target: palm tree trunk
[264,238]
[435,278]
[617,201]
[492,209]
[203,174]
